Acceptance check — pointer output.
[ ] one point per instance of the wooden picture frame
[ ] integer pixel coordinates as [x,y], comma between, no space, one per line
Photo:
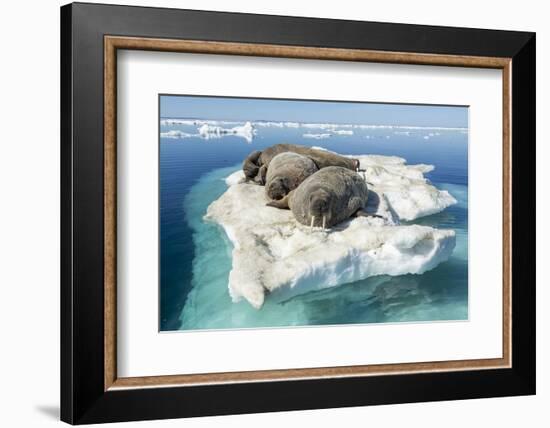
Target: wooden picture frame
[91,390]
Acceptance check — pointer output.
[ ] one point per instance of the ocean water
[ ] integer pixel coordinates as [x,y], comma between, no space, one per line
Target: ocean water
[195,256]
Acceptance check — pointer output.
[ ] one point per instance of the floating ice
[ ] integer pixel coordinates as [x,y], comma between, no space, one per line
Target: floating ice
[174,134]
[270,124]
[292,124]
[324,126]
[316,136]
[319,125]
[343,132]
[170,122]
[246,131]
[209,128]
[275,255]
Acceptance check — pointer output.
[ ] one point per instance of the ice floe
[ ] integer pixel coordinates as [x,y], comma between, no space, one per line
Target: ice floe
[174,133]
[210,128]
[273,255]
[246,131]
[316,136]
[287,124]
[197,122]
[409,194]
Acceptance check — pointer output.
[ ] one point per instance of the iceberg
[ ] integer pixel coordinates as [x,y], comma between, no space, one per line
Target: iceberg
[246,131]
[275,257]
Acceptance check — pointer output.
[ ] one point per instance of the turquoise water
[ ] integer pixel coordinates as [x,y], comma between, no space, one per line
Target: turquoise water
[196,255]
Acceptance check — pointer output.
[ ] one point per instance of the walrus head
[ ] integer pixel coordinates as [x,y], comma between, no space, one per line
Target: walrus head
[277,189]
[356,164]
[250,171]
[320,208]
[251,165]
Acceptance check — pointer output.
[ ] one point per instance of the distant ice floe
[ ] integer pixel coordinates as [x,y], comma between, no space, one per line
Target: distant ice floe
[209,129]
[196,122]
[332,128]
[277,258]
[292,124]
[268,124]
[245,131]
[431,135]
[171,122]
[174,133]
[343,131]
[411,128]
[316,136]
[324,126]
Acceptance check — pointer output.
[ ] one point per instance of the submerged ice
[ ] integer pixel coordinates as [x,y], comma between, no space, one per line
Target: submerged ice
[275,258]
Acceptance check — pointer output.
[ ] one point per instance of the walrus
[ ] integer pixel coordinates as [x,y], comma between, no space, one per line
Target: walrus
[326,198]
[256,164]
[286,172]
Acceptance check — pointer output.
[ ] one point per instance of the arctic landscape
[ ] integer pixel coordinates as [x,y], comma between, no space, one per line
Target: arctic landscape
[228,260]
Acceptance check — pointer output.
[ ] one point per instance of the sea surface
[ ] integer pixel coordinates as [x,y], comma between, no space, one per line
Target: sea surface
[195,256]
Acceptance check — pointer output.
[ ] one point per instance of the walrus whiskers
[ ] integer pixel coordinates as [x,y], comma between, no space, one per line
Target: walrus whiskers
[311,225]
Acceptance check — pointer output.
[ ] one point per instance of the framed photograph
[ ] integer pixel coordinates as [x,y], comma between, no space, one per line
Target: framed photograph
[266,213]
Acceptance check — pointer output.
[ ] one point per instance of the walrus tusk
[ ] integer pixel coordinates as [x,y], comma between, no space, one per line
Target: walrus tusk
[324,221]
[311,225]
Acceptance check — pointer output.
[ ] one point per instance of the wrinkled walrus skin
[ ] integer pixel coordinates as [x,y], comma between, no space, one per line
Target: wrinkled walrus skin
[286,172]
[256,164]
[326,198]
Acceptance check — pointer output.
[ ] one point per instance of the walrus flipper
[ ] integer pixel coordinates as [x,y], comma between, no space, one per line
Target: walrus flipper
[261,178]
[355,204]
[281,203]
[362,213]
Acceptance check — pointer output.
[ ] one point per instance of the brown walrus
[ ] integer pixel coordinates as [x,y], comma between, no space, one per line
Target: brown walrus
[255,166]
[286,172]
[326,198]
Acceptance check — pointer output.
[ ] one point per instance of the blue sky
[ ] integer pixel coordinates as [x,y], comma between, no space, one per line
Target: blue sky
[242,109]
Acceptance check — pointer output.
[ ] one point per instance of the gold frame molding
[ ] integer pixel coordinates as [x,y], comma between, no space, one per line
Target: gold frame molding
[113,43]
